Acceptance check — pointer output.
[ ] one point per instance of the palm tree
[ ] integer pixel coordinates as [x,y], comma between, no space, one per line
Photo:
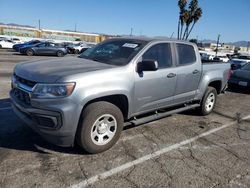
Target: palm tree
[193,5]
[197,15]
[187,17]
[182,4]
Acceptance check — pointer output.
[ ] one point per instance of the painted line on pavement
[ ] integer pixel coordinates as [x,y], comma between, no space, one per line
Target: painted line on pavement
[140,160]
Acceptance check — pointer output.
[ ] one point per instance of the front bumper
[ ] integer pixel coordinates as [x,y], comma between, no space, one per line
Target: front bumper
[56,125]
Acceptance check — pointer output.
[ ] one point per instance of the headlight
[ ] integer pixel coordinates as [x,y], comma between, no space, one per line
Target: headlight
[53,90]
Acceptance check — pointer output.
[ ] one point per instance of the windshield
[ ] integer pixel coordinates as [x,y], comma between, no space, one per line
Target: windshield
[115,52]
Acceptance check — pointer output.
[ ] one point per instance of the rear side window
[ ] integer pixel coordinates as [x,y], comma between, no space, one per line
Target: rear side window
[186,54]
[41,45]
[161,53]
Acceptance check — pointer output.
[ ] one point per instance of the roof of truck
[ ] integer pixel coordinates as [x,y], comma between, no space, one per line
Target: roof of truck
[151,39]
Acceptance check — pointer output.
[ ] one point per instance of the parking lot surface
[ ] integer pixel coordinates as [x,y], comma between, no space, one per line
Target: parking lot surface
[183,150]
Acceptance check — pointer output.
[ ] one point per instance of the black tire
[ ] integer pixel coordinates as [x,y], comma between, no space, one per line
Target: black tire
[30,52]
[205,108]
[90,126]
[0,46]
[60,54]
[77,51]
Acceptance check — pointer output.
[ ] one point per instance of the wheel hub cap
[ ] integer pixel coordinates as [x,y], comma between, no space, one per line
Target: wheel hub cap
[102,128]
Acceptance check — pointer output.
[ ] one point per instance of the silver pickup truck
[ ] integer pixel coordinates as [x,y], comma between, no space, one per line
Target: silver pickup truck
[87,99]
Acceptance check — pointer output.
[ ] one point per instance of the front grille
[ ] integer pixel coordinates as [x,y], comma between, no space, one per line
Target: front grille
[22,95]
[24,81]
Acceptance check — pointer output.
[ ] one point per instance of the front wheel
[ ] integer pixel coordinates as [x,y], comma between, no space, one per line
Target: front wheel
[208,101]
[60,54]
[30,52]
[101,126]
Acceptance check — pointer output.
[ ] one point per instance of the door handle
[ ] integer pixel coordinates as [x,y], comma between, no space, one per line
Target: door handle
[195,71]
[171,75]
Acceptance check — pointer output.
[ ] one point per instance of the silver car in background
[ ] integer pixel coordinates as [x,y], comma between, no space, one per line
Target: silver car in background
[44,48]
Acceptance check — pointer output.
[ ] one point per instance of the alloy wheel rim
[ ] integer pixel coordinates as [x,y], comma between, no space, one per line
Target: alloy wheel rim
[210,102]
[103,129]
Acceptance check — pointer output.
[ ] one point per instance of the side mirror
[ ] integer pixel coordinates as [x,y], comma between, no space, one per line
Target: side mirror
[147,65]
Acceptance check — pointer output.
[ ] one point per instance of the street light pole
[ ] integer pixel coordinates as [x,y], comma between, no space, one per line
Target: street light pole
[131,31]
[39,26]
[218,39]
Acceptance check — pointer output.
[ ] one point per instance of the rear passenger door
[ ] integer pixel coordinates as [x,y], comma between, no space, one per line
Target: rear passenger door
[155,89]
[188,74]
[40,48]
[51,49]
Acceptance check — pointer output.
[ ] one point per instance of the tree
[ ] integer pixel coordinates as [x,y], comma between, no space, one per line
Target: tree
[197,15]
[182,4]
[187,17]
[193,41]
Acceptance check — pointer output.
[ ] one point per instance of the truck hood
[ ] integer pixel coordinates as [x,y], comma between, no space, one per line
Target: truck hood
[51,70]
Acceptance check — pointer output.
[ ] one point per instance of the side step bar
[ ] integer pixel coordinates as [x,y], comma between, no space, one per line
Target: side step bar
[161,115]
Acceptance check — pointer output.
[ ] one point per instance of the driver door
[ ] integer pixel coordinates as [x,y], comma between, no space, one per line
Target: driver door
[155,89]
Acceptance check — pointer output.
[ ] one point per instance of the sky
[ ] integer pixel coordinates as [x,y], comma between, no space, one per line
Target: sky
[229,18]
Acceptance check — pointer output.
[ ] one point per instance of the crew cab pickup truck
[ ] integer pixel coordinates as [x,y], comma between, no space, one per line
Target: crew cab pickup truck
[87,99]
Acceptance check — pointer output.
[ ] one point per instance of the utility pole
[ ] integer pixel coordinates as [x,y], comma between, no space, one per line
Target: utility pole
[218,39]
[39,25]
[248,44]
[140,32]
[75,27]
[131,31]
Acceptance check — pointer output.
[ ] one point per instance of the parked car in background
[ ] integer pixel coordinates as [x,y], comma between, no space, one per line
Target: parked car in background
[78,48]
[89,46]
[238,63]
[222,58]
[16,47]
[44,48]
[3,38]
[17,40]
[240,77]
[66,44]
[6,43]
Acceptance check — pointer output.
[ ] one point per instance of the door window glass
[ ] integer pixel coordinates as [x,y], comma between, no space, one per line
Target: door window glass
[160,53]
[186,54]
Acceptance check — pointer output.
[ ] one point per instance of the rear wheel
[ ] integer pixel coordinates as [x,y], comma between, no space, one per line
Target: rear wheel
[30,52]
[0,46]
[208,101]
[101,126]
[77,51]
[60,54]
